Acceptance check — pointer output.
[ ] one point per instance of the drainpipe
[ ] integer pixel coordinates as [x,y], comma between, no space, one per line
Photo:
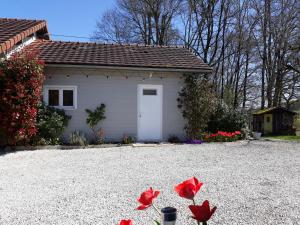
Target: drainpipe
[169,216]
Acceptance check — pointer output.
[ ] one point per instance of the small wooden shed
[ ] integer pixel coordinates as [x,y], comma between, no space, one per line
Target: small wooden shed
[274,121]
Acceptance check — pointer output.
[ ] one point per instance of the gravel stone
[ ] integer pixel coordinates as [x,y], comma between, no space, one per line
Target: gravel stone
[253,182]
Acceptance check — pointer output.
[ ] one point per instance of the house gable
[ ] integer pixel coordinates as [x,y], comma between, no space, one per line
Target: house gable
[14,32]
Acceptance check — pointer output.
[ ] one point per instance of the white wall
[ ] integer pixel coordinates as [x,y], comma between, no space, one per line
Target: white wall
[120,97]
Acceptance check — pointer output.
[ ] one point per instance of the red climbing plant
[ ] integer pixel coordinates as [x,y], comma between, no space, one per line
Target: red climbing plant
[21,80]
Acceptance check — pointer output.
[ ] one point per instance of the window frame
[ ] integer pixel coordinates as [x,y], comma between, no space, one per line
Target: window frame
[60,89]
[149,92]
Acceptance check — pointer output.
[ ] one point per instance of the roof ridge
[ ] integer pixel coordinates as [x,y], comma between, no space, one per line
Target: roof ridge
[20,19]
[116,44]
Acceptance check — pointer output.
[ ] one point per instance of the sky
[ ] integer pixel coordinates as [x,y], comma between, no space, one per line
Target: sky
[64,17]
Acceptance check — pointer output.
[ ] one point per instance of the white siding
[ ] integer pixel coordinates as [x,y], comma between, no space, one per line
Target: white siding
[120,97]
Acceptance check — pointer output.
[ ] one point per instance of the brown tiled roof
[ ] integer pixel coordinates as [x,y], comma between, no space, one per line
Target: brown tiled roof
[14,30]
[79,53]
[273,109]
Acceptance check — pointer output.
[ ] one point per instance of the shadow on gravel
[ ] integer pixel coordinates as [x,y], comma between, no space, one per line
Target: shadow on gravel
[4,150]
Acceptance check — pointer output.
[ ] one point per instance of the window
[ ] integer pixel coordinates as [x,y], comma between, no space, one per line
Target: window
[64,97]
[268,119]
[68,99]
[53,98]
[149,91]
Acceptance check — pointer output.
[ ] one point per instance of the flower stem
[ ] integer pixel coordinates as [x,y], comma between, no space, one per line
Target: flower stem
[156,209]
[195,204]
[204,223]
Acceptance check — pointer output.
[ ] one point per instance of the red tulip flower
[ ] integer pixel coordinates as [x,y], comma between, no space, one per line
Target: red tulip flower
[202,213]
[146,198]
[189,188]
[126,222]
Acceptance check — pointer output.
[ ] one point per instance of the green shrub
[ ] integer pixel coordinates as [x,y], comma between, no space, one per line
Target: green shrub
[197,101]
[227,119]
[51,123]
[93,118]
[77,138]
[127,140]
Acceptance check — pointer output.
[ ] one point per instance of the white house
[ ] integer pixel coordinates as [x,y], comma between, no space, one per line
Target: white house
[138,84]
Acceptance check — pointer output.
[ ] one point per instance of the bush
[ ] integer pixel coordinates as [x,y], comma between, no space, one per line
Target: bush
[77,138]
[174,139]
[197,102]
[227,119]
[94,117]
[21,79]
[51,123]
[127,140]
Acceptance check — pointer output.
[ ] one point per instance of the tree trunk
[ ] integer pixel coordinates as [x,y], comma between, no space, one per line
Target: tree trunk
[266,5]
[245,80]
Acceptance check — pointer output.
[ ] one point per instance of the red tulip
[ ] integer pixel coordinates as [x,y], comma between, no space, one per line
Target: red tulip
[126,222]
[189,188]
[147,198]
[202,213]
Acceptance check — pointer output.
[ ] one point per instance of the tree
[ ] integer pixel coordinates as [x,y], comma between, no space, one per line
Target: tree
[252,45]
[134,21]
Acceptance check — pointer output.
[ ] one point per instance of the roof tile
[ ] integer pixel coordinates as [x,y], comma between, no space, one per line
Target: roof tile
[14,30]
[86,53]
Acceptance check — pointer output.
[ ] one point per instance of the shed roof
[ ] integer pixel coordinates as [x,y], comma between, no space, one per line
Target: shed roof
[273,109]
[13,31]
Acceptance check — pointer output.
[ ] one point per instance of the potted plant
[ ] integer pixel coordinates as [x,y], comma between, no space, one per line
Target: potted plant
[256,135]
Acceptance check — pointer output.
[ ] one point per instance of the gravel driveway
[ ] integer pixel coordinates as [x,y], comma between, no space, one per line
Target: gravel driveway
[251,183]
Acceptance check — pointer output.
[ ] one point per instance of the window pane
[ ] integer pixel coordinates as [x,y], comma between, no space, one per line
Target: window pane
[53,97]
[149,92]
[67,97]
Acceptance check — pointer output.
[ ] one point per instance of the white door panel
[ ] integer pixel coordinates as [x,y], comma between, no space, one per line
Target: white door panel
[149,112]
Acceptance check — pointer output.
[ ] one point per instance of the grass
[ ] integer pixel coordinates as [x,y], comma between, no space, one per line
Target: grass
[297,122]
[285,137]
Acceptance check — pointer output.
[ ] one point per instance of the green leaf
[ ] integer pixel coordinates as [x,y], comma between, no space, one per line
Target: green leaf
[157,223]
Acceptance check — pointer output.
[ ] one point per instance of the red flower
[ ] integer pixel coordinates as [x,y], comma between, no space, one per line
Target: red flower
[202,213]
[238,132]
[147,198]
[126,222]
[213,135]
[189,188]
